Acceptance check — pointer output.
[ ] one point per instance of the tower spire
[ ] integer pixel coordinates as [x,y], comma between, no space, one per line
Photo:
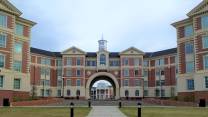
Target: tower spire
[102,44]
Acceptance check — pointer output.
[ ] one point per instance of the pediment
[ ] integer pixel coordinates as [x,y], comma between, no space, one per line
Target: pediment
[132,51]
[73,51]
[5,5]
[202,7]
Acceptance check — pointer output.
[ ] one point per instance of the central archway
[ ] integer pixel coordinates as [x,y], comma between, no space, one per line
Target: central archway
[102,76]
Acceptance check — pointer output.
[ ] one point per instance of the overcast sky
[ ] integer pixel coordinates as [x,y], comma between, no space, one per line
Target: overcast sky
[144,24]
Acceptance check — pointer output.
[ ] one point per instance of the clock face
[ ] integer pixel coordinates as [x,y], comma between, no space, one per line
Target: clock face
[116,72]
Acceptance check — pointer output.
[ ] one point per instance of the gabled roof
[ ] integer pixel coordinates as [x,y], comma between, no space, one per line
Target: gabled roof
[134,49]
[10,7]
[44,52]
[73,48]
[199,8]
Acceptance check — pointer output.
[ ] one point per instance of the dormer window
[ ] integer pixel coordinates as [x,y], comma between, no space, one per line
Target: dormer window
[102,59]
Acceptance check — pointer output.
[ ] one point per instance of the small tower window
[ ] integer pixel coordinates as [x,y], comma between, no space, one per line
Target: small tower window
[102,59]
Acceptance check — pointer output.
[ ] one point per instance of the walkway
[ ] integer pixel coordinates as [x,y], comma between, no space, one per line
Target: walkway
[105,111]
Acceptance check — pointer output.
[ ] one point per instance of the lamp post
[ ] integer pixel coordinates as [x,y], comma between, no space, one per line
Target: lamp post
[139,110]
[71,109]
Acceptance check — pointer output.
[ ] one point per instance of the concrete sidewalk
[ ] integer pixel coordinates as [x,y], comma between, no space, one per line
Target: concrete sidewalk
[105,111]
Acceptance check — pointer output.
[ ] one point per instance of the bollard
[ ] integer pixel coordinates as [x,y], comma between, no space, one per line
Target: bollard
[120,104]
[89,104]
[139,114]
[71,109]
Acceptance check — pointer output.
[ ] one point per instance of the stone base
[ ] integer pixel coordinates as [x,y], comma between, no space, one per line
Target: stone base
[193,96]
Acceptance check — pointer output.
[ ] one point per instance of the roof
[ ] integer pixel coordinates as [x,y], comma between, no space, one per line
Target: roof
[44,52]
[111,54]
[160,53]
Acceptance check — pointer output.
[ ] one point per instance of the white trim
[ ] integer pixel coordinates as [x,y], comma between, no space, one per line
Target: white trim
[4,14]
[203,37]
[5,43]
[4,60]
[2,82]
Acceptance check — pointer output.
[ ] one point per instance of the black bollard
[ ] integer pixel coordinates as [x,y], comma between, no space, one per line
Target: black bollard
[139,110]
[71,109]
[89,104]
[120,104]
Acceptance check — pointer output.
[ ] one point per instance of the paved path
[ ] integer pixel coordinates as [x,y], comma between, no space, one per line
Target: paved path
[105,111]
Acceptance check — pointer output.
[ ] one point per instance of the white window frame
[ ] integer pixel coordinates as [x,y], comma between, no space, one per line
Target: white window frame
[203,37]
[5,43]
[204,62]
[67,82]
[19,84]
[6,26]
[4,60]
[2,81]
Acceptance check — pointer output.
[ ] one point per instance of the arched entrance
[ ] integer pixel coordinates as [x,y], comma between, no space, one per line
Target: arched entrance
[102,76]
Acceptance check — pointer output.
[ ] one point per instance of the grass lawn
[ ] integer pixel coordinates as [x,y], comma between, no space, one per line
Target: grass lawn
[166,112]
[42,112]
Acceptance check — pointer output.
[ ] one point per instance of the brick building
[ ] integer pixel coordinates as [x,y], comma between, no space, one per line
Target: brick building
[26,71]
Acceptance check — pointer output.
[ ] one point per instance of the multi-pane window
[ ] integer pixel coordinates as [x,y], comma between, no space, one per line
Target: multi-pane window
[136,72]
[45,61]
[189,67]
[145,83]
[47,92]
[45,71]
[189,30]
[206,81]
[18,66]
[189,48]
[126,93]
[47,82]
[126,82]
[78,82]
[16,83]
[190,84]
[3,20]
[137,93]
[204,22]
[68,61]
[136,61]
[162,92]
[102,59]
[126,72]
[205,41]
[159,62]
[91,63]
[114,63]
[145,63]
[78,61]
[145,92]
[68,82]
[68,92]
[145,73]
[19,29]
[78,72]
[157,92]
[137,82]
[58,62]
[126,61]
[59,83]
[3,40]
[68,72]
[18,47]
[59,72]
[160,82]
[1,81]
[205,61]
[2,60]
[59,93]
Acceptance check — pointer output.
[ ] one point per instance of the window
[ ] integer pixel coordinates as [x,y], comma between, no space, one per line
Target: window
[18,48]
[1,81]
[3,40]
[68,82]
[189,30]
[163,93]
[126,93]
[145,83]
[189,67]
[189,48]
[205,42]
[47,82]
[190,84]
[78,72]
[18,66]
[47,92]
[102,59]
[45,61]
[160,82]
[68,92]
[159,62]
[45,71]
[137,82]
[204,22]
[126,61]
[91,63]
[162,73]
[205,61]
[114,63]
[59,72]
[3,20]
[157,92]
[59,62]
[2,61]
[145,63]
[59,83]
[68,72]
[145,92]
[137,93]
[145,73]
[16,83]
[19,29]
[78,61]
[126,82]
[78,82]
[206,82]
[136,62]
[78,93]
[59,93]
[126,72]
[136,72]
[68,61]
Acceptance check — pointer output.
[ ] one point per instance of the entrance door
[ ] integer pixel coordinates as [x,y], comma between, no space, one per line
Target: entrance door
[6,102]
